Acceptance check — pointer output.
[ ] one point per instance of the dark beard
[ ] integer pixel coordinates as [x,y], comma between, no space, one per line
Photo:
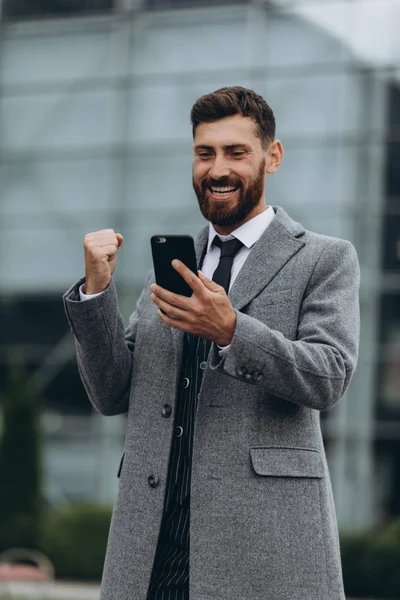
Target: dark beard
[217,212]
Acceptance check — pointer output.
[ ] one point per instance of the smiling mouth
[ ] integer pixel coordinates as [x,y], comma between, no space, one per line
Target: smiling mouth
[222,191]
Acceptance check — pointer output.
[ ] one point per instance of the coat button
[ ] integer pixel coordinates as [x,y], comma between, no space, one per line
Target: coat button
[203,365]
[249,375]
[166,410]
[186,382]
[257,376]
[178,431]
[241,371]
[153,481]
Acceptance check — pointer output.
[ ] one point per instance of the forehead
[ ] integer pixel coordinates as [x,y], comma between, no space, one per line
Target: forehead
[227,132]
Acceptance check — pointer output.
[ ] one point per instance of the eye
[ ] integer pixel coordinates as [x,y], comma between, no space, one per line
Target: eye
[204,155]
[238,153]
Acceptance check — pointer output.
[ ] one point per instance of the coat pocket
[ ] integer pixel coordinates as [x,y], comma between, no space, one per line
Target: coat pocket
[287,519]
[276,461]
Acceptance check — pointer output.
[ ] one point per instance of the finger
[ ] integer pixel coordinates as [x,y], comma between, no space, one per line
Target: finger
[209,284]
[175,323]
[108,241]
[173,299]
[191,279]
[108,251]
[120,239]
[101,232]
[101,242]
[171,311]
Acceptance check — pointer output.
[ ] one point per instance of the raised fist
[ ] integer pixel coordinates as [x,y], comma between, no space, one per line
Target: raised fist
[101,249]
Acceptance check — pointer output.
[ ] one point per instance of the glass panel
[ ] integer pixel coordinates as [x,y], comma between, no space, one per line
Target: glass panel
[315,105]
[188,45]
[58,189]
[305,44]
[63,58]
[319,180]
[59,119]
[161,181]
[46,258]
[389,357]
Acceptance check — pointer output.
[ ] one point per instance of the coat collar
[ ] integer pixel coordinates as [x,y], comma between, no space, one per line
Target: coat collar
[279,242]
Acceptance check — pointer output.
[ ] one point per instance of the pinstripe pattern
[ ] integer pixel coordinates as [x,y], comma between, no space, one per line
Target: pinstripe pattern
[170,577]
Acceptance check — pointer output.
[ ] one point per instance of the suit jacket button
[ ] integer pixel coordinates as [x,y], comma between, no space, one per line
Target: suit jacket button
[257,376]
[166,410]
[241,371]
[249,375]
[153,481]
[178,431]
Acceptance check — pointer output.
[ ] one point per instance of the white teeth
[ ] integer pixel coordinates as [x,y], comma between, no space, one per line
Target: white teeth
[223,190]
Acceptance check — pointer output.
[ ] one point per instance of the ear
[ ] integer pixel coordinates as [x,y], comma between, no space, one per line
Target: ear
[274,156]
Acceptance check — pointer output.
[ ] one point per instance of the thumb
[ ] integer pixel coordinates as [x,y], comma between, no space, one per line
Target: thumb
[120,239]
[209,284]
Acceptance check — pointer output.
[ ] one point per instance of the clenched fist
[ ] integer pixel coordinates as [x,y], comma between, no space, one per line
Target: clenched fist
[101,249]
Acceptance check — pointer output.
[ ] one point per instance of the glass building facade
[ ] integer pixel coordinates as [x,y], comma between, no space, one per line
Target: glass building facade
[95,133]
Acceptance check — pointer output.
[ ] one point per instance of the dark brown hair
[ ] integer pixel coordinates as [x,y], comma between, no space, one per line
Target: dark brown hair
[229,101]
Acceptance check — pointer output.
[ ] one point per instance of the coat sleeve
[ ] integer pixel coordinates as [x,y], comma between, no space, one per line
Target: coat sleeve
[315,369]
[105,349]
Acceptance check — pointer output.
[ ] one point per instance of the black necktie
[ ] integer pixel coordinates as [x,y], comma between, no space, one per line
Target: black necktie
[222,274]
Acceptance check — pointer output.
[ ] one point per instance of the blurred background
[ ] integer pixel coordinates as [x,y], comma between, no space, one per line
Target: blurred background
[95,98]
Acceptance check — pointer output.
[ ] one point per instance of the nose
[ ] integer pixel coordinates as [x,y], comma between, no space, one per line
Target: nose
[219,168]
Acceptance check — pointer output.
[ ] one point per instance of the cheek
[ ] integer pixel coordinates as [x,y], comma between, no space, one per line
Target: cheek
[199,171]
[246,176]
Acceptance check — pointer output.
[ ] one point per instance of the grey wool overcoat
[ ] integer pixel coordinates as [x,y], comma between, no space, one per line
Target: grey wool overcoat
[262,523]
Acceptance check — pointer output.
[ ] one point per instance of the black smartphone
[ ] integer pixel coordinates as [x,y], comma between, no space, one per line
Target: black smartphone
[165,248]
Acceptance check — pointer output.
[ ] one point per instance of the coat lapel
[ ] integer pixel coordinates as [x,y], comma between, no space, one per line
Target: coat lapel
[276,246]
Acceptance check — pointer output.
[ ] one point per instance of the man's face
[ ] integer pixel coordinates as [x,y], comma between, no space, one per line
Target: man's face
[229,170]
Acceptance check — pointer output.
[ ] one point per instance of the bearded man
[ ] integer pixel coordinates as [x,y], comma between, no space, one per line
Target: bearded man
[224,489]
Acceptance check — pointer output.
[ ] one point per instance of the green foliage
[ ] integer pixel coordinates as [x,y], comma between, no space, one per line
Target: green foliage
[75,538]
[360,569]
[20,463]
[371,562]
[387,549]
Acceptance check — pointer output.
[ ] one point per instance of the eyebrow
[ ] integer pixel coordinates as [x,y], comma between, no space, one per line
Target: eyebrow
[227,147]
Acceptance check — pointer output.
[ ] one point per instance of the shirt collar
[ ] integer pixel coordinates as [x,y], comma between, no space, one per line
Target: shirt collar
[248,233]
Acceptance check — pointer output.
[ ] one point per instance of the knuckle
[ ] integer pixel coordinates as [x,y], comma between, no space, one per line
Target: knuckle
[197,310]
[87,239]
[174,299]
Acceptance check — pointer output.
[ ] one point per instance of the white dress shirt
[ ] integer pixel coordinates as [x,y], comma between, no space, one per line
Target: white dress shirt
[248,234]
